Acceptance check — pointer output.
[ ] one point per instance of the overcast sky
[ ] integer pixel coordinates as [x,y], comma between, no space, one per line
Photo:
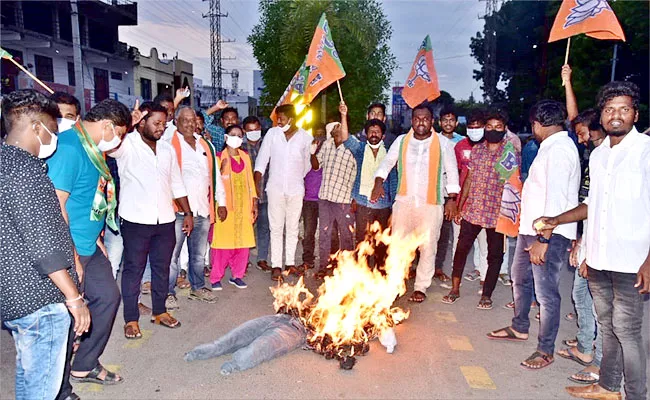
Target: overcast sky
[177,26]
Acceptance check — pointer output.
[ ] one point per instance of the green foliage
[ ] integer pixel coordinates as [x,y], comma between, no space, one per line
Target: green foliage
[361,34]
[530,66]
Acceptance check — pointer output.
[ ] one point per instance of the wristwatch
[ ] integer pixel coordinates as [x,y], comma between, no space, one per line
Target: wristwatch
[186,214]
[542,239]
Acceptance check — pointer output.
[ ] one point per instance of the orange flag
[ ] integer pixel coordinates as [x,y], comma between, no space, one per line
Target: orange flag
[422,83]
[508,169]
[294,93]
[594,18]
[323,60]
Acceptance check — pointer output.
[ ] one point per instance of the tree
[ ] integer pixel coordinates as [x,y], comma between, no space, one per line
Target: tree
[529,67]
[361,34]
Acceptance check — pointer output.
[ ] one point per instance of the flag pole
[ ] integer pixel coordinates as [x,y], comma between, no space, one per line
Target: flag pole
[30,75]
[340,93]
[566,56]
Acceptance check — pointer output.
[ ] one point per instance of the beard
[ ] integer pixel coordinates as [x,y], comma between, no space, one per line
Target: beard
[150,135]
[617,132]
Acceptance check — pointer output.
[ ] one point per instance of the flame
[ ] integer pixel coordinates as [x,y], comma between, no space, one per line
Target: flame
[355,303]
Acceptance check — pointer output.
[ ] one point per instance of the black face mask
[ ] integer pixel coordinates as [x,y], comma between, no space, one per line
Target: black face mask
[494,136]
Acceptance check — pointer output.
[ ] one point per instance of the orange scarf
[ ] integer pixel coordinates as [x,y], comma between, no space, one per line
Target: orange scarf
[435,168]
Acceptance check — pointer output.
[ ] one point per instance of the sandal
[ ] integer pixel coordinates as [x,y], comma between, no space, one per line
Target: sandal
[545,358]
[585,378]
[442,277]
[182,283]
[510,335]
[132,330]
[166,320]
[417,297]
[451,298]
[570,342]
[93,377]
[569,355]
[484,304]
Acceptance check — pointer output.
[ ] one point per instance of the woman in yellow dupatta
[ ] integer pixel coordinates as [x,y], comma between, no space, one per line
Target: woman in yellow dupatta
[232,238]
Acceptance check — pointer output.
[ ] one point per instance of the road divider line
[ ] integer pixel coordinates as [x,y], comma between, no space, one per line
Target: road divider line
[477,377]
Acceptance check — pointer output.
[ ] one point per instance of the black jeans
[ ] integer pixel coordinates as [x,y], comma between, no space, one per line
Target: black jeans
[310,221]
[619,308]
[103,296]
[157,242]
[446,239]
[468,233]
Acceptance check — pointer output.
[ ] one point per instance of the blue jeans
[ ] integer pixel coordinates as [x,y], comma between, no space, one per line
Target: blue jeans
[262,231]
[197,243]
[587,322]
[41,339]
[619,307]
[546,279]
[254,342]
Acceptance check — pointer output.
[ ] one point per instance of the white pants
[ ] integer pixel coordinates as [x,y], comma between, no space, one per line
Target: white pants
[284,213]
[425,219]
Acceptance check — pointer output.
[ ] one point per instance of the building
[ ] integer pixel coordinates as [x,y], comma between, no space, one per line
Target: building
[258,85]
[153,75]
[39,35]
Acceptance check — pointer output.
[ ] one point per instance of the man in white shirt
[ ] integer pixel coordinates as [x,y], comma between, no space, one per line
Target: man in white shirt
[550,189]
[422,158]
[285,149]
[618,243]
[202,179]
[150,181]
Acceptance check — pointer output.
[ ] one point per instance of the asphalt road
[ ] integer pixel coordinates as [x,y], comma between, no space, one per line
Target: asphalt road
[442,353]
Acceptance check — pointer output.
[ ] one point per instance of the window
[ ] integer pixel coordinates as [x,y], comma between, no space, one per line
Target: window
[44,68]
[116,76]
[71,77]
[145,88]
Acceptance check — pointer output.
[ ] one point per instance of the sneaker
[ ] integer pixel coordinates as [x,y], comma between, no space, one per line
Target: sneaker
[171,303]
[472,276]
[146,288]
[203,294]
[276,274]
[238,282]
[505,279]
[216,287]
[263,266]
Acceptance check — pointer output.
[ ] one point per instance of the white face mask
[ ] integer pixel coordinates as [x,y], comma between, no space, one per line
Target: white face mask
[234,141]
[254,136]
[376,146]
[475,134]
[47,150]
[113,143]
[65,124]
[286,127]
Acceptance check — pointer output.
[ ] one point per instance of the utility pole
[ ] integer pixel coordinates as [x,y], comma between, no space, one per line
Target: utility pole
[490,45]
[215,16]
[76,53]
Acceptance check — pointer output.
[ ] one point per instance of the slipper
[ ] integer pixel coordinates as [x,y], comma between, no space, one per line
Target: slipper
[568,354]
[547,360]
[450,298]
[484,304]
[509,337]
[585,378]
[166,320]
[93,377]
[442,277]
[417,297]
[570,342]
[132,330]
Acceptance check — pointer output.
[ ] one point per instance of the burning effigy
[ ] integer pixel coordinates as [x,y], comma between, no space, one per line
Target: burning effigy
[354,305]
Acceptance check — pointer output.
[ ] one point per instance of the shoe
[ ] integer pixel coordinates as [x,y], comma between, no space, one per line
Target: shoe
[146,288]
[293,270]
[206,271]
[263,266]
[594,391]
[216,287]
[171,303]
[204,294]
[276,274]
[144,309]
[472,276]
[505,279]
[238,282]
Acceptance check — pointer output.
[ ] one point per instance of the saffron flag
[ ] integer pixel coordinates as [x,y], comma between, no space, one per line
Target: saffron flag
[422,82]
[323,60]
[4,53]
[294,93]
[594,18]
[508,169]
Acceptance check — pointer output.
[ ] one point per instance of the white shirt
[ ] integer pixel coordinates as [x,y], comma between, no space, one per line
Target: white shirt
[196,177]
[289,161]
[417,168]
[170,129]
[148,182]
[552,184]
[618,233]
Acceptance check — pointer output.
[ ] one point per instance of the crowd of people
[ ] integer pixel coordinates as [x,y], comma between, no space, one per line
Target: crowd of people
[170,197]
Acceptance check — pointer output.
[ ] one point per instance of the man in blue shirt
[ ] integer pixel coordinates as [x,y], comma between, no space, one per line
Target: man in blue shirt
[369,155]
[86,193]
